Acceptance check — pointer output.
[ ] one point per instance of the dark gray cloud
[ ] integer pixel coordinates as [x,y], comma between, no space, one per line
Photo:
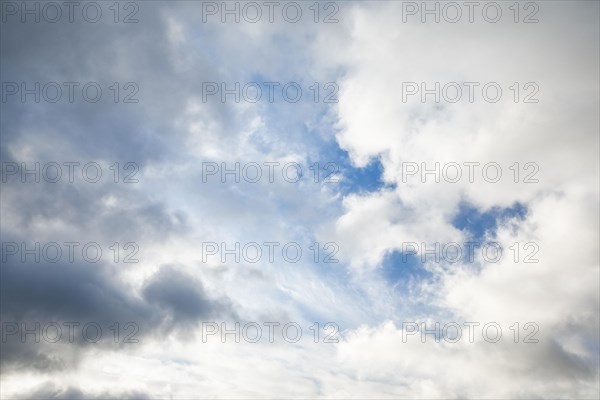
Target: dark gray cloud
[143,133]
[180,295]
[16,355]
[142,53]
[136,216]
[43,293]
[51,391]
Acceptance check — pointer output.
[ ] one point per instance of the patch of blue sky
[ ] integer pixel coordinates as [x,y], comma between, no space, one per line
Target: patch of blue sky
[401,270]
[478,224]
[402,267]
[336,161]
[407,275]
[325,159]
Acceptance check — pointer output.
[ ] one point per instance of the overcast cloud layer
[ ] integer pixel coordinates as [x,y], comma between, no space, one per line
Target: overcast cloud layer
[543,292]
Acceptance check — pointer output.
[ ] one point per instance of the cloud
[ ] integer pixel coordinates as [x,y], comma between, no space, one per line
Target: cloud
[181,295]
[371,133]
[51,391]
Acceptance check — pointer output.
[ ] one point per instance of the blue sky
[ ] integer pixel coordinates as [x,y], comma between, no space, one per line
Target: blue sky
[479,223]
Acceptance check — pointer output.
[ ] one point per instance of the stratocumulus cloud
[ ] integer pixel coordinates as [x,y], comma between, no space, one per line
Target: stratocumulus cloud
[379,199]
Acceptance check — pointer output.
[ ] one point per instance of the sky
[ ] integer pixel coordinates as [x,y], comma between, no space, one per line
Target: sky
[349,199]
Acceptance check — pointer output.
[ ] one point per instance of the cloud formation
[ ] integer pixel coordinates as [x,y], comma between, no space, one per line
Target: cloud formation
[380,138]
